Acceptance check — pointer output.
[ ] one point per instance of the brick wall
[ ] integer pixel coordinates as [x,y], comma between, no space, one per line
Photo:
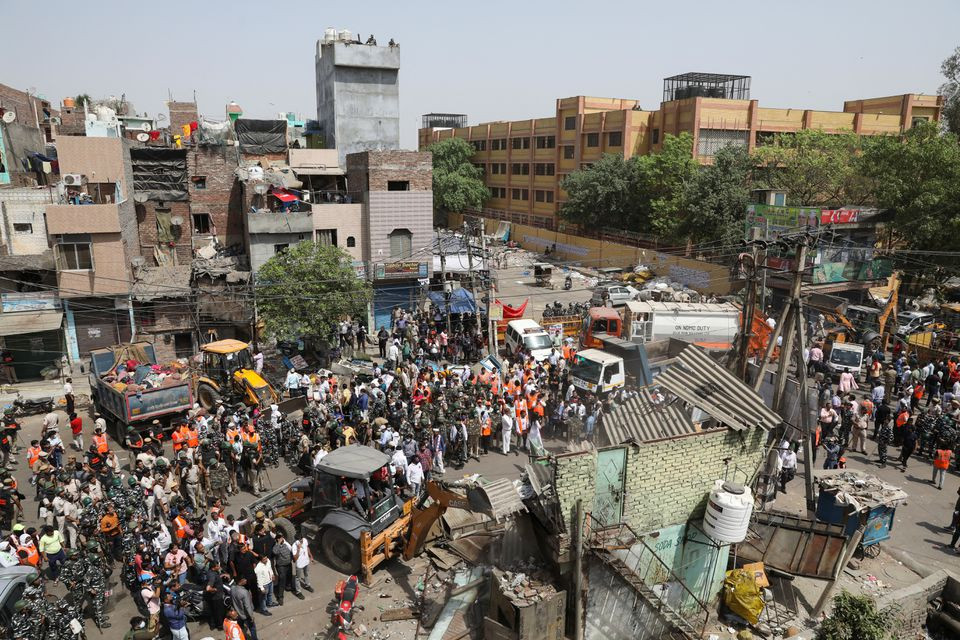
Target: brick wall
[665,482]
[181,113]
[371,170]
[22,104]
[222,198]
[147,230]
[71,122]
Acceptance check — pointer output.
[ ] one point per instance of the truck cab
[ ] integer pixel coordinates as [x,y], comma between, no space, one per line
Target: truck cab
[845,356]
[597,371]
[527,334]
[599,323]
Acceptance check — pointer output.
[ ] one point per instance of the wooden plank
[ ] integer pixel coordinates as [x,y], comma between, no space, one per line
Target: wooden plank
[492,630]
[407,613]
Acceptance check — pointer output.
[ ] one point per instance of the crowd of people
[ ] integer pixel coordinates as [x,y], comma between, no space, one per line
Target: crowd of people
[159,523]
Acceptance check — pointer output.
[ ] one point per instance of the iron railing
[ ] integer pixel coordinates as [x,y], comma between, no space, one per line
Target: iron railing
[673,597]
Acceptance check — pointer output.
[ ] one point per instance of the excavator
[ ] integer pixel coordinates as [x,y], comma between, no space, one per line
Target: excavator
[227,373]
[864,325]
[350,508]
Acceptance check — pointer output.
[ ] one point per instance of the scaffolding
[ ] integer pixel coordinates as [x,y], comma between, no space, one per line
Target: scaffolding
[443,120]
[706,85]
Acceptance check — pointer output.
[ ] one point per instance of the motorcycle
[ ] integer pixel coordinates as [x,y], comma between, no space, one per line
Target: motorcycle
[347,591]
[31,406]
[567,283]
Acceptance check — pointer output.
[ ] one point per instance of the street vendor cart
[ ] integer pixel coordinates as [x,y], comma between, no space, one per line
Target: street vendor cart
[857,500]
[542,273]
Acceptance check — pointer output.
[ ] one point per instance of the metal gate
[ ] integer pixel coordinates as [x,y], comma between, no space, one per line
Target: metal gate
[608,497]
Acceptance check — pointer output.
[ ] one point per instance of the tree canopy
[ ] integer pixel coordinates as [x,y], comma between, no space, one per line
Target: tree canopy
[457,183]
[642,193]
[950,90]
[307,289]
[717,197]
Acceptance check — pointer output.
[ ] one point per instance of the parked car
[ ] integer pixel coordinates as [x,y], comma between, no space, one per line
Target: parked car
[617,294]
[913,321]
[13,582]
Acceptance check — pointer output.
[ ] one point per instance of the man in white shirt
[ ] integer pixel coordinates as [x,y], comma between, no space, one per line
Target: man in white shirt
[264,573]
[51,421]
[319,455]
[506,427]
[788,467]
[393,355]
[415,476]
[302,557]
[258,362]
[399,460]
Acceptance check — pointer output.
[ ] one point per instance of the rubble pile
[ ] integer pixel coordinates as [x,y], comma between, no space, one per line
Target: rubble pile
[524,590]
[862,489]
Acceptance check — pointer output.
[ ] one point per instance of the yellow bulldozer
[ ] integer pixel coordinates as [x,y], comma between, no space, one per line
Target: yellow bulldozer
[227,373]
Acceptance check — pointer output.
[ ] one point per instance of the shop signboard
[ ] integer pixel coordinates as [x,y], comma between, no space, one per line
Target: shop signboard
[839,216]
[31,301]
[773,220]
[401,270]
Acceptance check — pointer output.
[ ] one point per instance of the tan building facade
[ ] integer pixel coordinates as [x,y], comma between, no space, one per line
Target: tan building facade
[524,161]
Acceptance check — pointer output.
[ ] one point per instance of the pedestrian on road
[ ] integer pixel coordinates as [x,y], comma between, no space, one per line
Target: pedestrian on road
[909,443]
[955,523]
[788,467]
[941,462]
[859,442]
[832,449]
[68,395]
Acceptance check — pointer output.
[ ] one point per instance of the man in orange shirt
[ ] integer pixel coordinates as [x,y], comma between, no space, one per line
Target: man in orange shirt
[111,532]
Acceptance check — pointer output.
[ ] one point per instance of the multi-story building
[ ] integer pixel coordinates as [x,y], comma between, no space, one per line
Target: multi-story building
[524,161]
[358,94]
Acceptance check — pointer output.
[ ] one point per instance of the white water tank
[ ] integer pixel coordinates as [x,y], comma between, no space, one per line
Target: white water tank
[329,35]
[345,36]
[728,512]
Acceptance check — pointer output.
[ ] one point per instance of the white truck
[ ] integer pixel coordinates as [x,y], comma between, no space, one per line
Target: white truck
[712,325]
[844,356]
[597,371]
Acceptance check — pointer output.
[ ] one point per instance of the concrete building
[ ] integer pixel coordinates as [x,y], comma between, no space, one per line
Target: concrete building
[396,192]
[524,161]
[358,96]
[94,236]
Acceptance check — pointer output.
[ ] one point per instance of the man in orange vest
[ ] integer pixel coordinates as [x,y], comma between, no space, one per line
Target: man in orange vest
[33,453]
[231,626]
[100,440]
[193,437]
[178,438]
[941,462]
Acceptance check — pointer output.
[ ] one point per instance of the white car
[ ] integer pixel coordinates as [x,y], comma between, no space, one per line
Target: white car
[617,294]
[913,321]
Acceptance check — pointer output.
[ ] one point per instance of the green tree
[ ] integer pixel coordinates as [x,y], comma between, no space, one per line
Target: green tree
[307,289]
[717,197]
[950,90]
[457,183]
[916,179]
[604,194]
[664,179]
[82,99]
[815,168]
[856,618]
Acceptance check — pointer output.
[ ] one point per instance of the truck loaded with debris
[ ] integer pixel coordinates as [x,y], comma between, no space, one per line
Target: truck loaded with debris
[130,388]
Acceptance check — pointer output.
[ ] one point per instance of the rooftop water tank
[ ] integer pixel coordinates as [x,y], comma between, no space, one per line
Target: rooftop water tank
[329,35]
[345,36]
[728,512]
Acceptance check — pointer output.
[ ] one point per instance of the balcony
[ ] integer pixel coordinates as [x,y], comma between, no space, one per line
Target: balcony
[266,221]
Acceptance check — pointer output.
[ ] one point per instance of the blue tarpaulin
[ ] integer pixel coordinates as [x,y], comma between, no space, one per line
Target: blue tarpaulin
[461,301]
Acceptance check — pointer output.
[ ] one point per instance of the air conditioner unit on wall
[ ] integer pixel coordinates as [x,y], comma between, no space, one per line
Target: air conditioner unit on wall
[72,179]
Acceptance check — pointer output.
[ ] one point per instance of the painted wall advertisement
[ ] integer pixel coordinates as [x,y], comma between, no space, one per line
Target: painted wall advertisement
[4,167]
[772,220]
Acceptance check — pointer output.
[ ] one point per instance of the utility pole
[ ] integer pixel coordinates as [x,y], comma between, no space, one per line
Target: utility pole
[793,311]
[805,422]
[746,328]
[443,276]
[467,238]
[491,333]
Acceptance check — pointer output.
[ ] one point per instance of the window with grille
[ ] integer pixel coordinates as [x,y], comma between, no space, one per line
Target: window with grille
[546,142]
[201,223]
[568,152]
[570,123]
[326,237]
[74,252]
[593,139]
[520,169]
[615,139]
[521,194]
[479,145]
[543,196]
[712,140]
[521,143]
[545,169]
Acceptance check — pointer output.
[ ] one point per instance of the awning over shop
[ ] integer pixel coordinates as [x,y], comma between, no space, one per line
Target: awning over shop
[19,322]
[461,301]
[283,195]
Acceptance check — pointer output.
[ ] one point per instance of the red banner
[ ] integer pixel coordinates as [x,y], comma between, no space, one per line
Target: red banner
[839,216]
[512,313]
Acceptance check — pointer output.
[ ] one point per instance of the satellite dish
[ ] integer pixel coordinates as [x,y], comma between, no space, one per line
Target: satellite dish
[146,126]
[143,137]
[55,120]
[9,116]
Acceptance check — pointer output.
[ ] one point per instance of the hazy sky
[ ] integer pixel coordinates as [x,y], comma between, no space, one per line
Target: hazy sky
[493,60]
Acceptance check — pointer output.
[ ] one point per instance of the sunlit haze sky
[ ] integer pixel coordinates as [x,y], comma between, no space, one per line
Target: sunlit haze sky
[493,60]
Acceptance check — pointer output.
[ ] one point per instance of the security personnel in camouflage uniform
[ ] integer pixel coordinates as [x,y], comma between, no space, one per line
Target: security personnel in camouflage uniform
[94,587]
[218,477]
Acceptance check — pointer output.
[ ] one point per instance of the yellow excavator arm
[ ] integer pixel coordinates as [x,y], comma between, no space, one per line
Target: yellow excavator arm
[424,519]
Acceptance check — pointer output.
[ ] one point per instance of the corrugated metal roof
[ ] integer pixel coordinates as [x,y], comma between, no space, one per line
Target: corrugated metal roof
[641,419]
[504,498]
[701,382]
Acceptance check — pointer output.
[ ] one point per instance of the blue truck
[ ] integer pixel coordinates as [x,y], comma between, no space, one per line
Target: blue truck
[134,408]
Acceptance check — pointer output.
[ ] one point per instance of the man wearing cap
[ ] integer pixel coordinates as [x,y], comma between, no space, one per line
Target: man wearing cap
[219,478]
[283,566]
